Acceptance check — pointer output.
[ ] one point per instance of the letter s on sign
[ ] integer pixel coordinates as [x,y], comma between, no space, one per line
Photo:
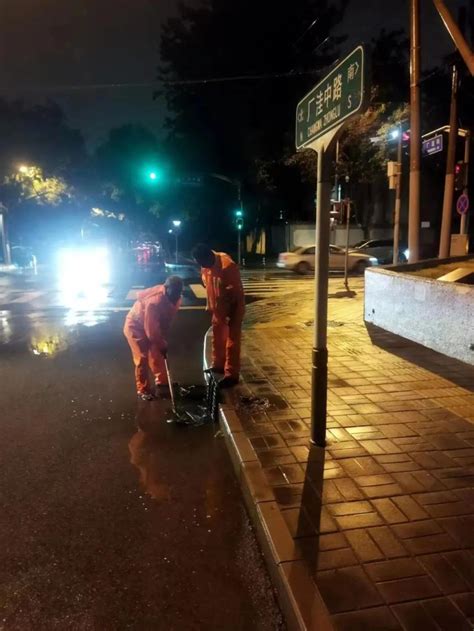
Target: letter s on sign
[349,102]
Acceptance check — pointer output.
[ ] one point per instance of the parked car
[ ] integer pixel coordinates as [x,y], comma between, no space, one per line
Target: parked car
[382,250]
[301,260]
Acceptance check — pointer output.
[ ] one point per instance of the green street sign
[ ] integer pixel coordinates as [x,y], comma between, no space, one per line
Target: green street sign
[339,96]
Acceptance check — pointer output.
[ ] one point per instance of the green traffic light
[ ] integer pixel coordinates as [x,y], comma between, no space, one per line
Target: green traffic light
[152,174]
[239,213]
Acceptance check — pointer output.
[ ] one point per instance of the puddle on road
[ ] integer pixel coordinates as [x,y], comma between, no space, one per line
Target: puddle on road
[46,335]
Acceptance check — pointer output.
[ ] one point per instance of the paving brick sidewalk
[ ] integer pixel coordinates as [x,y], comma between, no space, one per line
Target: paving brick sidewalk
[384,516]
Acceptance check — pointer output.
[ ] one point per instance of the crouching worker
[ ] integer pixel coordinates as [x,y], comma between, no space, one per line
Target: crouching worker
[146,328]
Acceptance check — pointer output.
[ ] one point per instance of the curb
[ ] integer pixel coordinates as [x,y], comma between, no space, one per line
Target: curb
[299,598]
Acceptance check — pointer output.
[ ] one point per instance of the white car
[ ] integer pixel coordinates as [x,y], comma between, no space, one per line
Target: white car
[301,260]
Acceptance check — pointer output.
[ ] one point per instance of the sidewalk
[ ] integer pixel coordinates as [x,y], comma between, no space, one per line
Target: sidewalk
[377,530]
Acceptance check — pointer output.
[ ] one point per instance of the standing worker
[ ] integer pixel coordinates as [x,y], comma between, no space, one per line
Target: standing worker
[226,302]
[146,329]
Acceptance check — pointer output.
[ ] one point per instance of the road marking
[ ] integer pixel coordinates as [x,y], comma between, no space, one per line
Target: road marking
[260,287]
[28,297]
[185,308]
[198,290]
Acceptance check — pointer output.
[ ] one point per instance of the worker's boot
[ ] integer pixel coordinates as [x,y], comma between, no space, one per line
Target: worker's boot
[146,396]
[214,371]
[162,390]
[228,382]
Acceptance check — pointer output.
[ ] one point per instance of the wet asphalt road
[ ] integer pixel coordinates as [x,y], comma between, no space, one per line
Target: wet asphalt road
[111,518]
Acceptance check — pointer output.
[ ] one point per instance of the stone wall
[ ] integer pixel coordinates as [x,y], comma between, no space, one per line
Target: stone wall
[437,314]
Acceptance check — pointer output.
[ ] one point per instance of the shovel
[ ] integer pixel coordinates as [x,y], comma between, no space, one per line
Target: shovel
[180,419]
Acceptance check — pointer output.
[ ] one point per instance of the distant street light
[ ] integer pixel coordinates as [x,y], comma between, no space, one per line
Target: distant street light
[23,169]
[176,223]
[152,175]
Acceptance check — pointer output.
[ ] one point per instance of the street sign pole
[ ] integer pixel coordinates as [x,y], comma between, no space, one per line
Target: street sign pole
[319,371]
[467,151]
[445,236]
[320,117]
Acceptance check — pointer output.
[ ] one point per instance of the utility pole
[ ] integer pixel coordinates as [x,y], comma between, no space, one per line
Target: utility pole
[398,199]
[467,152]
[456,34]
[445,237]
[415,135]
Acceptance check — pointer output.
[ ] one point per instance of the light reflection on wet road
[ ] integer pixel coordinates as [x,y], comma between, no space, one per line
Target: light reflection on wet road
[112,519]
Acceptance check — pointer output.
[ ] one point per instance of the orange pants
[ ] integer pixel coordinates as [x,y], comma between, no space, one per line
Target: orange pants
[144,354]
[226,337]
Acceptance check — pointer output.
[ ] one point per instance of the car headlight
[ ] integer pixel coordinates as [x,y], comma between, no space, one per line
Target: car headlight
[373,260]
[83,271]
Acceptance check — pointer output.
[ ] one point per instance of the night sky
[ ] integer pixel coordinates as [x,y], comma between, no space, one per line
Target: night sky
[49,43]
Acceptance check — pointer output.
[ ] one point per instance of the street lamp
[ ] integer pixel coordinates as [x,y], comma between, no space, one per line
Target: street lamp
[23,169]
[177,224]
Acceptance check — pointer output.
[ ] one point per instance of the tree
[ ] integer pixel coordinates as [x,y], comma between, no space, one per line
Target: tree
[243,128]
[39,136]
[30,184]
[123,164]
[43,195]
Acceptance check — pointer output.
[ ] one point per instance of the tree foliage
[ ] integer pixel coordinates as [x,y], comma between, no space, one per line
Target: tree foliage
[243,126]
[30,184]
[39,135]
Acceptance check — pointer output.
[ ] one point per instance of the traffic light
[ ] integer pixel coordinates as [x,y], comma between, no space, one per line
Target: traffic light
[152,175]
[239,218]
[460,176]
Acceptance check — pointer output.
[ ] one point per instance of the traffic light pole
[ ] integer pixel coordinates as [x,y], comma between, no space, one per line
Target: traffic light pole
[239,239]
[445,237]
[467,152]
[347,205]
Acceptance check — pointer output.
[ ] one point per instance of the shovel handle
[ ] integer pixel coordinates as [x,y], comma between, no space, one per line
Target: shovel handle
[170,385]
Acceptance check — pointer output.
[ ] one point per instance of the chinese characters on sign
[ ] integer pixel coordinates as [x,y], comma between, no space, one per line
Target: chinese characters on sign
[333,100]
[433,145]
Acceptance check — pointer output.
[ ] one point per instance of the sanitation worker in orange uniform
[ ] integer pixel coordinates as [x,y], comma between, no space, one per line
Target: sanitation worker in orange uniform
[226,302]
[146,329]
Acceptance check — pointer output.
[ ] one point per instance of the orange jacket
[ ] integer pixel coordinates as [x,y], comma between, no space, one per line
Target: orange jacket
[225,294]
[153,312]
